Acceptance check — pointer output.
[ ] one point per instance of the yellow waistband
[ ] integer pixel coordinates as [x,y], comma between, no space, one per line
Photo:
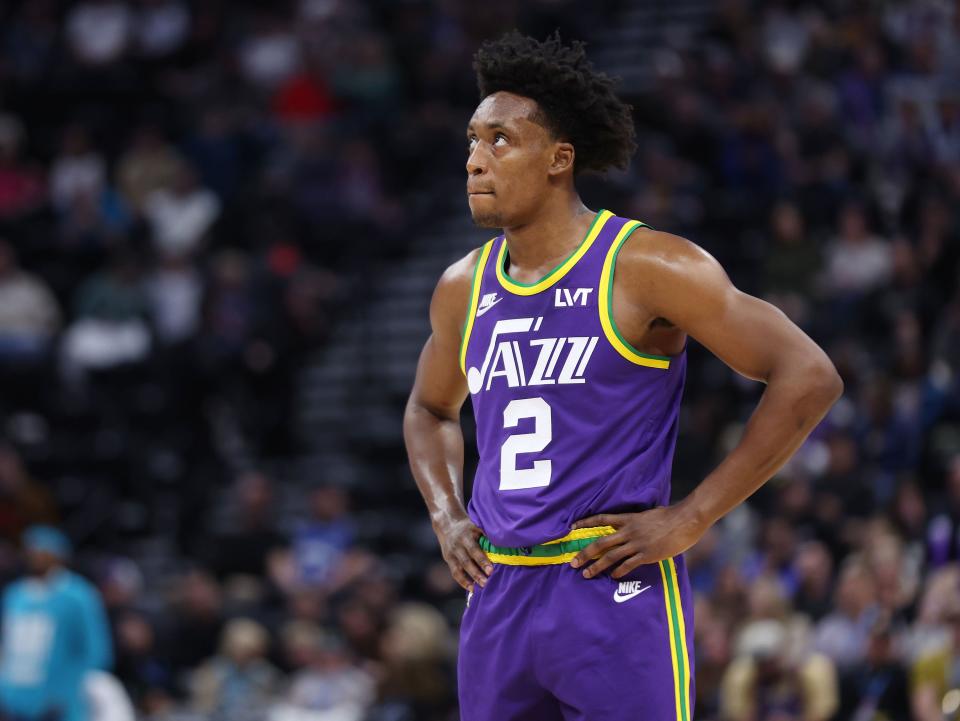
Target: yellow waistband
[578,534]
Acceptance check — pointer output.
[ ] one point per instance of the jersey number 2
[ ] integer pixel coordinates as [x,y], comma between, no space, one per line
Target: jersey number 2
[511,477]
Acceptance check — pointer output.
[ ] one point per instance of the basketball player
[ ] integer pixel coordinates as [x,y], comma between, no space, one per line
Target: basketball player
[569,334]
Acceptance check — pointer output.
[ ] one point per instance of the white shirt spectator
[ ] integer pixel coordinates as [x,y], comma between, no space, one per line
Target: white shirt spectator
[858,265]
[98,31]
[108,699]
[175,294]
[270,57]
[27,307]
[180,219]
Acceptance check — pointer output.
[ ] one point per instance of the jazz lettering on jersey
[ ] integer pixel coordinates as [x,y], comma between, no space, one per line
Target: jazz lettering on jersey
[561,360]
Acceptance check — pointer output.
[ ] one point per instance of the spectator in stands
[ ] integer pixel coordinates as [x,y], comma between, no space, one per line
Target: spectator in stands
[180,216]
[766,682]
[326,679]
[78,170]
[196,619]
[876,688]
[111,310]
[23,501]
[936,672]
[55,632]
[792,263]
[29,314]
[99,31]
[894,577]
[107,698]
[175,291]
[239,682]
[270,52]
[843,635]
[22,189]
[253,536]
[321,540]
[149,164]
[857,260]
[161,28]
[229,312]
[140,664]
[416,648]
[943,532]
[814,571]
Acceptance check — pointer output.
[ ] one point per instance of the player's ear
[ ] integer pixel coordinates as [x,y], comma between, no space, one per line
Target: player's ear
[562,160]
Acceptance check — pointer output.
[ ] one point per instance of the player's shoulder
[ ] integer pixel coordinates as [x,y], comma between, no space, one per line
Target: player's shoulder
[459,274]
[648,246]
[452,294]
[655,256]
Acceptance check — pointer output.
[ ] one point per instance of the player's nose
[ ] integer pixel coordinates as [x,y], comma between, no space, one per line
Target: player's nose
[476,161]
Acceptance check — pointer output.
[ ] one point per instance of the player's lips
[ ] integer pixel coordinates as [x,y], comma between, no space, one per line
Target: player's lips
[471,191]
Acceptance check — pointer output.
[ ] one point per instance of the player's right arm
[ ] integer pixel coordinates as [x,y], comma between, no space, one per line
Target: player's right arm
[432,432]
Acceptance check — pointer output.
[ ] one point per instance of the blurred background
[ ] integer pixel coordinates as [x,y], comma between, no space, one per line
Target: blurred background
[220,224]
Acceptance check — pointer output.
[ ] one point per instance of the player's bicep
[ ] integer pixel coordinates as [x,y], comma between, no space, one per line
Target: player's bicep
[440,386]
[748,334]
[753,337]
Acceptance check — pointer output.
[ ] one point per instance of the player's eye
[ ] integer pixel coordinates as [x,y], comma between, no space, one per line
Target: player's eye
[498,137]
[470,141]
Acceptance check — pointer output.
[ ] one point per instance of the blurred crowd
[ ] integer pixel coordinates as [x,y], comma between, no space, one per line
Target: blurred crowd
[193,194]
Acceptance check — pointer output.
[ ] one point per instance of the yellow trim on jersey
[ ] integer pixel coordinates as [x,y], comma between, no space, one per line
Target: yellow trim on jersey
[591,532]
[474,299]
[557,273]
[605,303]
[530,560]
[676,627]
[575,535]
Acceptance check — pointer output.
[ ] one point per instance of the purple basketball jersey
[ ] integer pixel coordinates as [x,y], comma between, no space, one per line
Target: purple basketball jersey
[571,420]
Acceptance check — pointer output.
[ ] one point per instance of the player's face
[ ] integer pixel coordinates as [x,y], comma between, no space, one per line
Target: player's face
[509,161]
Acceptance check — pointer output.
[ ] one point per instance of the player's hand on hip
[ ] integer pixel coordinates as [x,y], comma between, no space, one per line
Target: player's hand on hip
[461,550]
[646,537]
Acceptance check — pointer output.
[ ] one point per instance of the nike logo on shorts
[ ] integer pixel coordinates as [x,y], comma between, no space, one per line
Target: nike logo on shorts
[627,590]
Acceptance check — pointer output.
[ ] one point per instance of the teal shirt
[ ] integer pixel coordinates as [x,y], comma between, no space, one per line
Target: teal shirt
[54,632]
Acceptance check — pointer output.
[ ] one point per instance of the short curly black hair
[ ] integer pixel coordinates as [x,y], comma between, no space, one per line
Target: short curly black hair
[577,104]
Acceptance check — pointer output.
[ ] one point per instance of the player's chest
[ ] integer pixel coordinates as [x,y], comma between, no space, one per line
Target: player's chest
[548,340]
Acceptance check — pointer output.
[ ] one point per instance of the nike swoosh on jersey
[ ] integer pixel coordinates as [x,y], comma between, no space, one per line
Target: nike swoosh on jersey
[627,596]
[481,311]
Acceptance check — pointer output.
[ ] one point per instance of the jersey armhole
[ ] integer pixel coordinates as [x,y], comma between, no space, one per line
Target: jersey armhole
[474,299]
[605,304]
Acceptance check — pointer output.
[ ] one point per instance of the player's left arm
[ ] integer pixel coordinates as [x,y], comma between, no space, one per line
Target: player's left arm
[679,281]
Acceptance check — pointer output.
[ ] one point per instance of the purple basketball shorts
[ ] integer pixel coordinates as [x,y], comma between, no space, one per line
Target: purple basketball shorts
[542,643]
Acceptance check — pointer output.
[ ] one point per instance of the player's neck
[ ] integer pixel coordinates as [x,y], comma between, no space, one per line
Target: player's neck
[550,236]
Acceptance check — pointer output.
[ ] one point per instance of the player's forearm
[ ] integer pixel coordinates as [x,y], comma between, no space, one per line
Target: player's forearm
[435,448]
[794,402]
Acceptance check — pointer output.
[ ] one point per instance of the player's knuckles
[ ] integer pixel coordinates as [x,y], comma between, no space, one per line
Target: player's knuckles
[602,546]
[471,567]
[600,566]
[626,567]
[477,558]
[480,558]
